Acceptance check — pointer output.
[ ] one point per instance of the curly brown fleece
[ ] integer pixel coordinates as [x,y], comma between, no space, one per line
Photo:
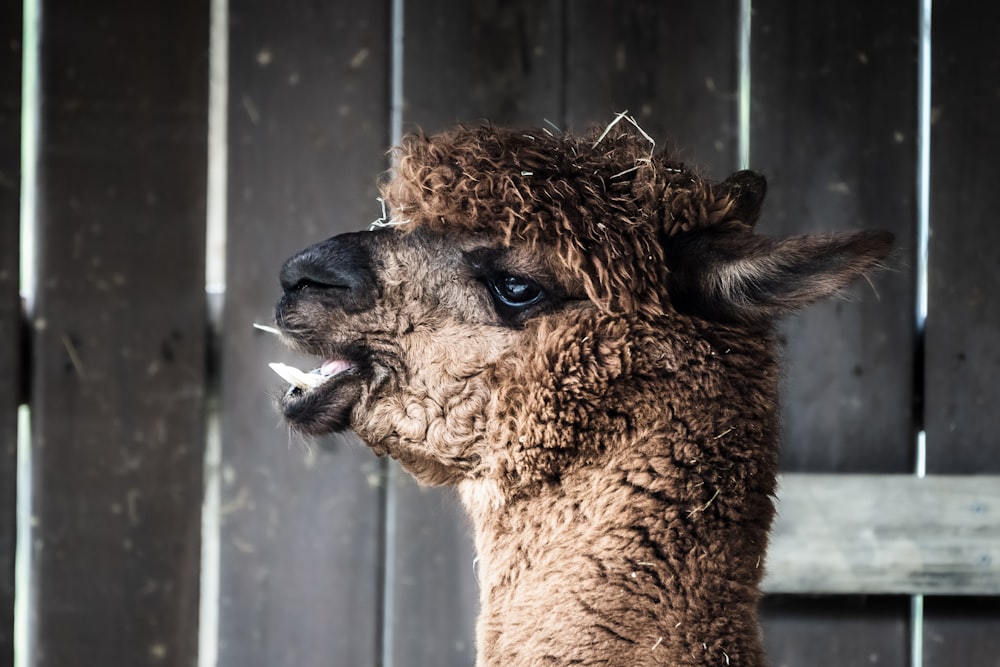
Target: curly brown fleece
[603,209]
[613,439]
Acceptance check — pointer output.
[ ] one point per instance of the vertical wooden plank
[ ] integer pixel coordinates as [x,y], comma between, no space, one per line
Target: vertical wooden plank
[673,65]
[834,631]
[962,378]
[963,323]
[482,60]
[119,332]
[10,315]
[833,118]
[463,62]
[435,595]
[962,631]
[301,532]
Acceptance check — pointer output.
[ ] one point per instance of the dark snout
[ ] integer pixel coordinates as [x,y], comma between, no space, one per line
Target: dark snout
[337,272]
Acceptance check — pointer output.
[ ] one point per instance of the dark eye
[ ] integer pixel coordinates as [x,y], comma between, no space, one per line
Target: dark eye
[515,291]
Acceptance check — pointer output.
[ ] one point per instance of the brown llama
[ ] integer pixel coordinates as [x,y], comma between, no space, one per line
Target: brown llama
[578,334]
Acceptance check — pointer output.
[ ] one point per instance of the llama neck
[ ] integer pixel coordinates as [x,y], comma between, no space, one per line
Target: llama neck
[620,568]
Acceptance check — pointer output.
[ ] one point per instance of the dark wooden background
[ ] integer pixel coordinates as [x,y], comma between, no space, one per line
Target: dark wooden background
[327,555]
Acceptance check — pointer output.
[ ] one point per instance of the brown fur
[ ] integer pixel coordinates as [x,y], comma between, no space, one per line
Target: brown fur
[614,444]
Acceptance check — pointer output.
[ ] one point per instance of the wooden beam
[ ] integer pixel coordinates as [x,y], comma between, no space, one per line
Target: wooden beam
[886,534]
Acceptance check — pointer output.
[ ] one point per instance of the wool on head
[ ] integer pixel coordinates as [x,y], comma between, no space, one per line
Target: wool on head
[605,204]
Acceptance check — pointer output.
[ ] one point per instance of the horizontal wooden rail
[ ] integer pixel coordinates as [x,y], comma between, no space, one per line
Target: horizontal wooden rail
[875,534]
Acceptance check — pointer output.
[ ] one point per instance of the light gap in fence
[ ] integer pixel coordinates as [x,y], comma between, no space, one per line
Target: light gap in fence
[215,291]
[746,16]
[923,235]
[30,107]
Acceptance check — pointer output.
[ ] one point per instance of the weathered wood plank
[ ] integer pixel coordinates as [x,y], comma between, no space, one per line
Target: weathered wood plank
[463,62]
[672,65]
[835,631]
[435,596]
[883,534]
[832,126]
[832,118]
[300,580]
[962,631]
[962,377]
[119,331]
[963,322]
[482,60]
[10,316]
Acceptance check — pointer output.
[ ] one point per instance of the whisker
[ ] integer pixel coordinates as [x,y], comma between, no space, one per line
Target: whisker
[267,329]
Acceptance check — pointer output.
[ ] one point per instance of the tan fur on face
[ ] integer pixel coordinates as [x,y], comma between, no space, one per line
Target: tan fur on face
[435,421]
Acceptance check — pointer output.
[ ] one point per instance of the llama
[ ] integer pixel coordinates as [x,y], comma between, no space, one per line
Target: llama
[578,334]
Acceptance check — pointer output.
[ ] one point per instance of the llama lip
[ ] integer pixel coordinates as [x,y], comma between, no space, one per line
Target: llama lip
[320,401]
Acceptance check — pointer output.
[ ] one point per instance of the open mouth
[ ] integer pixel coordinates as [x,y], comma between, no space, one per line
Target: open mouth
[320,401]
[302,382]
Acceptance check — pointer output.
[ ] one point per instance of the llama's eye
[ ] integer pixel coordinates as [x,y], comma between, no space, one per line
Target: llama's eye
[515,291]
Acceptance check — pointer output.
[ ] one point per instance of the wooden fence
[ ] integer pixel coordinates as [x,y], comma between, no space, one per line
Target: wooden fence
[319,554]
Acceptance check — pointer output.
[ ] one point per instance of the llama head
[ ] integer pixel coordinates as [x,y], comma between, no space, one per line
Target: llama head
[529,288]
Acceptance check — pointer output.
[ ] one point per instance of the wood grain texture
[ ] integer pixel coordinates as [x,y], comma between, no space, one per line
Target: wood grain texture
[836,631]
[832,126]
[673,65]
[10,311]
[962,377]
[885,534]
[833,114]
[435,598]
[119,331]
[482,60]
[963,322]
[301,528]
[962,631]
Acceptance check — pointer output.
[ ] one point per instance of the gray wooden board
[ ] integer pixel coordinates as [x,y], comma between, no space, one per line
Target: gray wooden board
[963,322]
[833,114]
[463,62]
[10,319]
[673,65]
[482,60]
[301,525]
[836,631]
[962,631]
[962,377]
[435,593]
[832,120]
[884,534]
[119,331]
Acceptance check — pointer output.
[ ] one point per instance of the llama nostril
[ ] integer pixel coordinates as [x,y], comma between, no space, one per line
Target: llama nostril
[297,283]
[307,269]
[340,268]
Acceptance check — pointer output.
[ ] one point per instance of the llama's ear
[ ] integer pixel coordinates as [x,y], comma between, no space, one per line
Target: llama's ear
[742,277]
[747,189]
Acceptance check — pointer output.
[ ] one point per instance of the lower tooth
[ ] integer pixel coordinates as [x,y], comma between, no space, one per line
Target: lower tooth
[296,377]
